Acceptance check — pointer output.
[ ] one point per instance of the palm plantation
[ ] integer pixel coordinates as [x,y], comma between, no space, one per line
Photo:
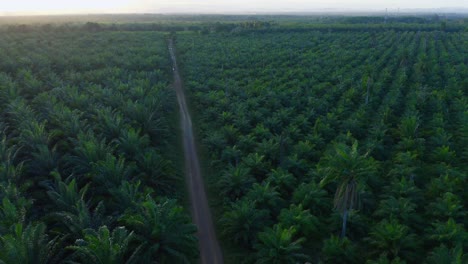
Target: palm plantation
[323,139]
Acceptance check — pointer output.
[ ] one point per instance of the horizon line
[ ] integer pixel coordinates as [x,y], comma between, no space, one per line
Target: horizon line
[446,10]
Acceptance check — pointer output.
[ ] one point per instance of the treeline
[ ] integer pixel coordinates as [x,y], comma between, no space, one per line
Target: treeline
[335,147]
[254,24]
[88,170]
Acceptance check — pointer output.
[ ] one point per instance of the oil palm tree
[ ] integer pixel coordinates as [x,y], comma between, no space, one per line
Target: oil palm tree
[312,197]
[305,223]
[235,182]
[29,245]
[165,230]
[11,214]
[242,221]
[266,197]
[66,194]
[393,239]
[339,250]
[89,148]
[157,171]
[131,142]
[106,247]
[279,246]
[444,255]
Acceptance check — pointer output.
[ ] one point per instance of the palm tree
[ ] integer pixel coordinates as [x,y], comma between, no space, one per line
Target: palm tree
[450,233]
[80,217]
[266,197]
[339,250]
[11,214]
[312,197]
[235,182]
[66,195]
[285,181]
[305,223]
[444,255]
[10,170]
[149,118]
[109,122]
[88,149]
[72,213]
[402,208]
[44,160]
[34,134]
[278,246]
[242,221]
[131,142]
[128,195]
[104,247]
[393,239]
[447,206]
[349,168]
[165,229]
[111,171]
[157,171]
[384,260]
[257,164]
[29,245]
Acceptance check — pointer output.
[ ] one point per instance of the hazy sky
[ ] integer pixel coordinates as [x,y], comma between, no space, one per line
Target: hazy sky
[216,6]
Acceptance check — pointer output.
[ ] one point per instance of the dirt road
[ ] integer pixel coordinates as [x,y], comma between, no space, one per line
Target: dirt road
[210,252]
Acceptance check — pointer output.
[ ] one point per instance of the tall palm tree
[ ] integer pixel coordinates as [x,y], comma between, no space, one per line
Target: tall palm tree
[349,169]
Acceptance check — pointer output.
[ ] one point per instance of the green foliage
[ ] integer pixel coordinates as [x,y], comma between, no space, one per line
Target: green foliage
[302,220]
[235,182]
[105,247]
[92,107]
[165,231]
[393,240]
[444,255]
[242,221]
[66,195]
[448,233]
[278,245]
[365,118]
[350,169]
[339,250]
[11,214]
[27,245]
[111,171]
[158,171]
[80,217]
[131,143]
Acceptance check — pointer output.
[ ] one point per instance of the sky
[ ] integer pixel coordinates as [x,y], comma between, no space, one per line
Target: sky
[11,7]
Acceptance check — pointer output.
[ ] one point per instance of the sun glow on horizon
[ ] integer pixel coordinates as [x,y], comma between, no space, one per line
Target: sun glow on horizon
[51,7]
[26,7]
